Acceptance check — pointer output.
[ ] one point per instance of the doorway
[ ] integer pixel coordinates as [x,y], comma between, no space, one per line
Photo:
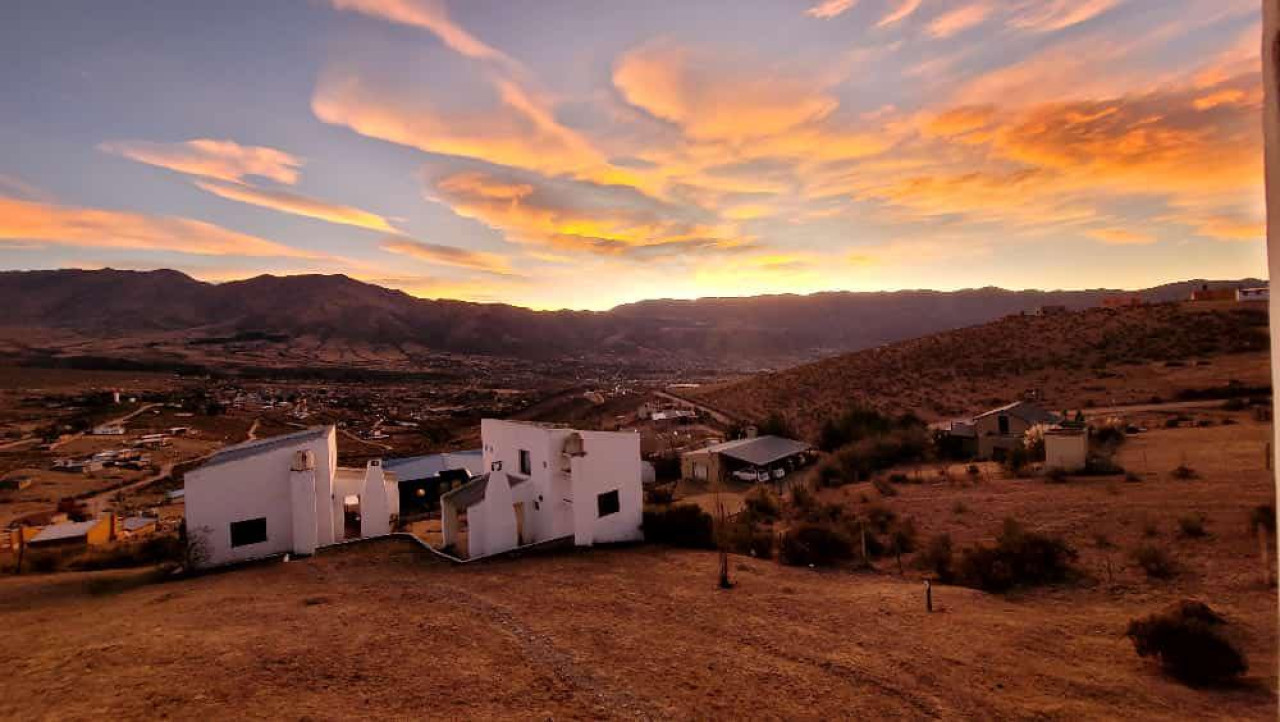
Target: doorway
[351,517]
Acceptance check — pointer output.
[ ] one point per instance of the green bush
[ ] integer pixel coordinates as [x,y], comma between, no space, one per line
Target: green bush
[815,544]
[1019,558]
[680,525]
[1188,642]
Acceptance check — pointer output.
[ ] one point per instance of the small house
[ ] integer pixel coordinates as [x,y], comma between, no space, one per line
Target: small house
[755,458]
[93,532]
[1260,294]
[284,494]
[1205,294]
[545,483]
[133,527]
[992,434]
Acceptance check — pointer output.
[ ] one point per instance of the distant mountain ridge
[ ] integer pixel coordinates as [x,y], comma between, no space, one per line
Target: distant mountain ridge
[743,332]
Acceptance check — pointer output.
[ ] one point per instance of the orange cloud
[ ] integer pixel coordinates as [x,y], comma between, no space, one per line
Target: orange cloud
[1049,15]
[429,15]
[903,10]
[448,255]
[298,205]
[94,228]
[508,127]
[715,97]
[830,8]
[959,20]
[576,216]
[1121,237]
[221,159]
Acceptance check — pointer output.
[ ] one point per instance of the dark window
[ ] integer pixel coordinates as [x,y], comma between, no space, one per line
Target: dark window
[1004,425]
[249,531]
[526,463]
[608,503]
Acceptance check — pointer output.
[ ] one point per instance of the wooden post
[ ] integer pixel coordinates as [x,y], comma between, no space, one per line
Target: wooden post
[928,596]
[862,526]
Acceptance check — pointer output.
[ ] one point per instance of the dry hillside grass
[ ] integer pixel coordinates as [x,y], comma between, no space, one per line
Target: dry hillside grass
[1097,357]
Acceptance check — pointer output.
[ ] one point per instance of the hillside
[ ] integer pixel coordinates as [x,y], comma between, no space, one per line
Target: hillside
[643,633]
[336,320]
[1096,357]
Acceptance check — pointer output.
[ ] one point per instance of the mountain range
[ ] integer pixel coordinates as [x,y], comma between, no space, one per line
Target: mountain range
[740,333]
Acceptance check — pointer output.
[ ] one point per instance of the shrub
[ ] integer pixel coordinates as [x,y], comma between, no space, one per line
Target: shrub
[937,557]
[1188,642]
[155,550]
[1015,462]
[973,470]
[880,518]
[1184,472]
[959,508]
[659,495]
[1019,558]
[742,536]
[802,498]
[681,525]
[1191,526]
[1132,477]
[1155,561]
[1110,433]
[1056,475]
[902,539]
[815,544]
[899,478]
[1236,404]
[761,504]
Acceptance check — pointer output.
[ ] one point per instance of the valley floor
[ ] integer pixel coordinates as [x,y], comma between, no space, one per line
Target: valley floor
[383,630]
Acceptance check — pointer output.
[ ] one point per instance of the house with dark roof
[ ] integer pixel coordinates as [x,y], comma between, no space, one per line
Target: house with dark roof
[284,494]
[757,458]
[992,434]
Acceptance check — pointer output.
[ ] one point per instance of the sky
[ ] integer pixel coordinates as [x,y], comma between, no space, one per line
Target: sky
[587,153]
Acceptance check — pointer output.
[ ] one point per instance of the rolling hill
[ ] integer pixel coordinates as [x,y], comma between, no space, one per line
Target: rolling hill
[1097,357]
[125,313]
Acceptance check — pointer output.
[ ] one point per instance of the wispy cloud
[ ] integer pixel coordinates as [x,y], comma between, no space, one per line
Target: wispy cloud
[449,255]
[299,205]
[1051,15]
[429,15]
[223,160]
[959,20]
[903,10]
[96,228]
[830,8]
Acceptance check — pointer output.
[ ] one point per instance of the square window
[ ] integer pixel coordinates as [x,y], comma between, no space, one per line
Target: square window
[526,462]
[249,531]
[608,503]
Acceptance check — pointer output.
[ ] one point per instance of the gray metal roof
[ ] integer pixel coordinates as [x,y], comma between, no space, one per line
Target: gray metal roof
[258,446]
[760,451]
[135,523]
[1023,410]
[66,530]
[467,495]
[413,468]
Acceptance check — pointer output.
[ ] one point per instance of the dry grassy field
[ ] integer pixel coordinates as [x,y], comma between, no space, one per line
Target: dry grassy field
[383,629]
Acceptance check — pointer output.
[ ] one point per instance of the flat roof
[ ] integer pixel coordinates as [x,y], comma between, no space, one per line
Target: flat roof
[412,468]
[759,450]
[65,530]
[258,446]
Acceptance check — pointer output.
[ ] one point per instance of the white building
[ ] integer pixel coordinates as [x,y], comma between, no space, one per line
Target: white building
[1262,293]
[545,483]
[1066,448]
[108,430]
[285,494]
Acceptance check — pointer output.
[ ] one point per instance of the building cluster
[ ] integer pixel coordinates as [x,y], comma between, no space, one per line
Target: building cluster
[530,484]
[996,433]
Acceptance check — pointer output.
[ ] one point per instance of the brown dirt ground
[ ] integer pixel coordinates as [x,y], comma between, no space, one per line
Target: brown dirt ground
[382,630]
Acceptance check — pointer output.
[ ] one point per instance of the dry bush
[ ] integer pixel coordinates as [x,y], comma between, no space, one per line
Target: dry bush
[681,525]
[938,557]
[1184,472]
[1155,561]
[1191,526]
[762,504]
[1019,558]
[1187,639]
[815,544]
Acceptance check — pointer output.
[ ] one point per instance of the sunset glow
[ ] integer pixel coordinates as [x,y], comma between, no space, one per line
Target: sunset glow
[584,154]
